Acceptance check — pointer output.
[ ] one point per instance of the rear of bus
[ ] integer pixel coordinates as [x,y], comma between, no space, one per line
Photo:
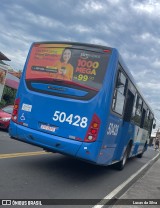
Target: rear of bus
[60,101]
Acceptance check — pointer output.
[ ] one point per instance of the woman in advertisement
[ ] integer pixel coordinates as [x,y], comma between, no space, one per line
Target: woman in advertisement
[65,69]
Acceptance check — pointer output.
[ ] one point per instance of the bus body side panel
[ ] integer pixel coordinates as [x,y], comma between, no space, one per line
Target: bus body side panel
[127,135]
[119,133]
[111,139]
[140,138]
[114,139]
[134,134]
[113,124]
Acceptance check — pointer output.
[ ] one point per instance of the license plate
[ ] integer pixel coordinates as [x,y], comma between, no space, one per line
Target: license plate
[48,128]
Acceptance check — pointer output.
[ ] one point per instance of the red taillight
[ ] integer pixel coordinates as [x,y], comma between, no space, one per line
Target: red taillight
[15,110]
[93,129]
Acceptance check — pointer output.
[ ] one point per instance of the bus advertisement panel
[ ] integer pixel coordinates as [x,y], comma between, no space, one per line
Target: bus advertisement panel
[61,62]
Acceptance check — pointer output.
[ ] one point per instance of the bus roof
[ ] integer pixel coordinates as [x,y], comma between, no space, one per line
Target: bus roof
[76,44]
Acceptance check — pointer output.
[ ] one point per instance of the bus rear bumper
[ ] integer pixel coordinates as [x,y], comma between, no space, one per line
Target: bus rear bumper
[46,141]
[82,150]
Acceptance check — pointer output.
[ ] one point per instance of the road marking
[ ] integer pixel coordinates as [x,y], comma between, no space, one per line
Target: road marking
[125,183]
[22,154]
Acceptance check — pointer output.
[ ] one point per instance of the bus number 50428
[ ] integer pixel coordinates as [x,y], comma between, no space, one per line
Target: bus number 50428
[71,119]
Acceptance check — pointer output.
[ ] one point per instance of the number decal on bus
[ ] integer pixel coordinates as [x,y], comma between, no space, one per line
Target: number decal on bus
[77,118]
[113,129]
[71,119]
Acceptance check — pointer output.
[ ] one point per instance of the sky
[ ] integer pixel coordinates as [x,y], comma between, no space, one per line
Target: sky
[131,26]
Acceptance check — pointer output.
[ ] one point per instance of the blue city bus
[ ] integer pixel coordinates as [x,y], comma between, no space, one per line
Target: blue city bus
[81,100]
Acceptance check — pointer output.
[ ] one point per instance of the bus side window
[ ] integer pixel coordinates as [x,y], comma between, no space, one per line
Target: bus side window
[146,120]
[119,94]
[143,117]
[134,108]
[150,122]
[137,110]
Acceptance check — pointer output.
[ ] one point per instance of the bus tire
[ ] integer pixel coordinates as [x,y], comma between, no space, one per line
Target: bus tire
[141,154]
[120,165]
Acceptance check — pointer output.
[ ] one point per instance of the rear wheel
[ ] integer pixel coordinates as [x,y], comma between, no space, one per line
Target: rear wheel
[141,154]
[120,165]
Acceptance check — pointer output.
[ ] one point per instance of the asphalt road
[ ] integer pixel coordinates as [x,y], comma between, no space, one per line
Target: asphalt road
[25,174]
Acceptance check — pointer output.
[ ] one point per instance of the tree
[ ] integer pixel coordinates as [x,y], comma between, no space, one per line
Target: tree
[8,96]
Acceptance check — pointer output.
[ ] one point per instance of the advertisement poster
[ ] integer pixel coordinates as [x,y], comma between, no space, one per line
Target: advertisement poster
[66,63]
[3,73]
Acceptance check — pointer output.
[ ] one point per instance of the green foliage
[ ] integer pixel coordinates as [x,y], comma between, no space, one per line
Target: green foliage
[8,96]
[2,103]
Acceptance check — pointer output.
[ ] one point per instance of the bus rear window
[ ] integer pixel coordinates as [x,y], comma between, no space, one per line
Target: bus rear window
[62,62]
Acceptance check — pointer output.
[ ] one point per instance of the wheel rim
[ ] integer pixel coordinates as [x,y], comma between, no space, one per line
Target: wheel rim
[124,158]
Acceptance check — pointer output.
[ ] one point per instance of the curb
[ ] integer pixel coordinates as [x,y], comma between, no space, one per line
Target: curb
[112,197]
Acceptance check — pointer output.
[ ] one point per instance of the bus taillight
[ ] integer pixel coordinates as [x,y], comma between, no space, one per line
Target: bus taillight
[93,129]
[15,110]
